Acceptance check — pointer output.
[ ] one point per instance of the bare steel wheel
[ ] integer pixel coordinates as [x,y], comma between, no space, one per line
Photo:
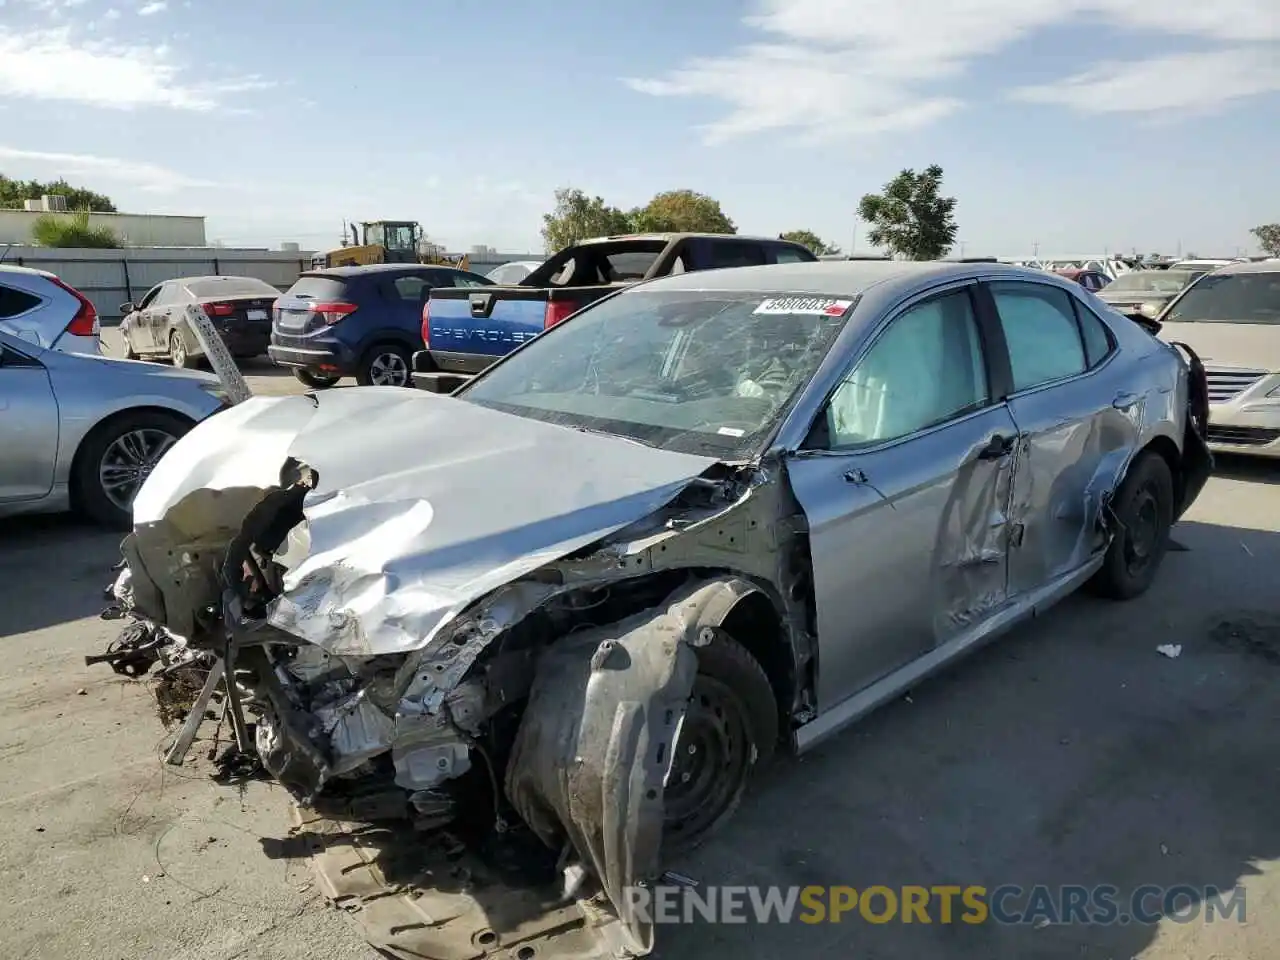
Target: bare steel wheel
[730,727]
[116,459]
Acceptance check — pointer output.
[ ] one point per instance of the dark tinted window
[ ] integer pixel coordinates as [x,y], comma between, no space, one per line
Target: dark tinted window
[729,253]
[1040,329]
[1097,341]
[14,302]
[1230,298]
[232,287]
[461,278]
[791,255]
[318,287]
[412,287]
[629,264]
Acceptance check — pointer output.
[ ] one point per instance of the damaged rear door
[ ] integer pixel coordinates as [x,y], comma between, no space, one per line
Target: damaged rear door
[1078,423]
[905,483]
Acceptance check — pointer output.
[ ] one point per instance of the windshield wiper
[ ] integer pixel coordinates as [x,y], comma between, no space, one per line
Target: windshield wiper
[618,436]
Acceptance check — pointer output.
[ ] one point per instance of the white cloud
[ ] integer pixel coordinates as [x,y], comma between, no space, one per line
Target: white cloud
[53,65]
[146,176]
[836,67]
[148,9]
[111,14]
[1190,82]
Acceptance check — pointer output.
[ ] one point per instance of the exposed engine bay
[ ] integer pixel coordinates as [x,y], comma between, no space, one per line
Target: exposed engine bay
[529,740]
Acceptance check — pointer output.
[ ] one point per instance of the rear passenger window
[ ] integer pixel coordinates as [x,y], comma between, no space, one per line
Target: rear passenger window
[789,255]
[723,253]
[1097,341]
[410,288]
[1040,329]
[14,302]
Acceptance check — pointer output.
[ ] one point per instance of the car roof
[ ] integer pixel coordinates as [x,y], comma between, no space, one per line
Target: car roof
[1255,266]
[668,237]
[27,271]
[217,277]
[374,268]
[843,277]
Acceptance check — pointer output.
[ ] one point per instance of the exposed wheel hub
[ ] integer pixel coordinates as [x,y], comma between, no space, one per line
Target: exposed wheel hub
[713,756]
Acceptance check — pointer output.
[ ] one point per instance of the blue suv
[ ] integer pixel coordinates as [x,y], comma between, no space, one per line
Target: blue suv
[364,322]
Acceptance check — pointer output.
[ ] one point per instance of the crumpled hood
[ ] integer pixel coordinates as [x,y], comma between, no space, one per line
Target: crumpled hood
[423,504]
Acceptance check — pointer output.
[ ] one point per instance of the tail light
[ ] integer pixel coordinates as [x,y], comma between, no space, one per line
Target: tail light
[426,324]
[219,309]
[85,323]
[332,312]
[557,311]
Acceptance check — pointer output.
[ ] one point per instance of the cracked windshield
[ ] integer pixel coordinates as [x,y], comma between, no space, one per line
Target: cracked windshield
[699,373]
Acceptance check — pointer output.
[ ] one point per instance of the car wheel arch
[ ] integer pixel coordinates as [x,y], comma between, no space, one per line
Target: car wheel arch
[103,424]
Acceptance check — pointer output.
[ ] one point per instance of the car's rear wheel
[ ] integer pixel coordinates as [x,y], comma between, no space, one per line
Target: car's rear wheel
[178,354]
[384,365]
[117,457]
[1144,508]
[730,730]
[316,381]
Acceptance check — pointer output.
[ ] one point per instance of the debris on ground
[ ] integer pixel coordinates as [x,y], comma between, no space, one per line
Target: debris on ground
[1170,650]
[82,692]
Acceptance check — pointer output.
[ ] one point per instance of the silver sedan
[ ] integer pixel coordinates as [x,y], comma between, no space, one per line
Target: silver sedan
[85,431]
[709,516]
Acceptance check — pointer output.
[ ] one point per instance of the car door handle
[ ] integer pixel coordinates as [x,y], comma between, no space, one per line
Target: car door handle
[997,447]
[1124,400]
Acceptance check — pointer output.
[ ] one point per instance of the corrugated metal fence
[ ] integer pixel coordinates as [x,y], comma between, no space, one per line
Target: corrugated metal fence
[111,277]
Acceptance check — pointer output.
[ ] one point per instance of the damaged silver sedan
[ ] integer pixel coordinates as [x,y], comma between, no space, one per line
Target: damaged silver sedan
[555,621]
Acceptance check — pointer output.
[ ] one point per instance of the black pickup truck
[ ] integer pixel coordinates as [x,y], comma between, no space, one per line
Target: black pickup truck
[465,330]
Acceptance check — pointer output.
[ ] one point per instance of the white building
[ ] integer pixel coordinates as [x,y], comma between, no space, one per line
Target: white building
[133,229]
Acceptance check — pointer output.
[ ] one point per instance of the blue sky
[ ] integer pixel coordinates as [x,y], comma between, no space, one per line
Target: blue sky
[1074,125]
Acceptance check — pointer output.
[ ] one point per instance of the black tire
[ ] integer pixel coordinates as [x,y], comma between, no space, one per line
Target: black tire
[385,364]
[729,733]
[178,354]
[316,381]
[105,453]
[1144,506]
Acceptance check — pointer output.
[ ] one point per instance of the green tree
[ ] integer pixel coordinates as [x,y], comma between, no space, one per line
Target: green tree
[807,238]
[911,218]
[1268,235]
[577,217]
[681,211]
[14,192]
[71,230]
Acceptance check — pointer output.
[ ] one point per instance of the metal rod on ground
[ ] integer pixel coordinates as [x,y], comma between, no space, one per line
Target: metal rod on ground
[187,735]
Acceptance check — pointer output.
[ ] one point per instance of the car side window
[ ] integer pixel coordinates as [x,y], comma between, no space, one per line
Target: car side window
[1097,339]
[924,369]
[785,254]
[14,302]
[1040,331]
[410,287]
[150,298]
[730,253]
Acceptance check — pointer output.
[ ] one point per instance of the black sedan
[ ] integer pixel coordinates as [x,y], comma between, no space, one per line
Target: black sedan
[240,308]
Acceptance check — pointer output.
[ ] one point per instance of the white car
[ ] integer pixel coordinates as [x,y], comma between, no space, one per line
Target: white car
[509,274]
[38,307]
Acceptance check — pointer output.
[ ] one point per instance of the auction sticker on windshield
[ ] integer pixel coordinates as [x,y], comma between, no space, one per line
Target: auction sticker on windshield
[809,306]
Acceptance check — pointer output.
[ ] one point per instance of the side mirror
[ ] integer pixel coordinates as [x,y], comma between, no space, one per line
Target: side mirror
[127,308]
[1149,310]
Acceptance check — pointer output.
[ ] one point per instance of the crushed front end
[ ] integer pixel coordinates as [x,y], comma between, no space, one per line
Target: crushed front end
[495,787]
